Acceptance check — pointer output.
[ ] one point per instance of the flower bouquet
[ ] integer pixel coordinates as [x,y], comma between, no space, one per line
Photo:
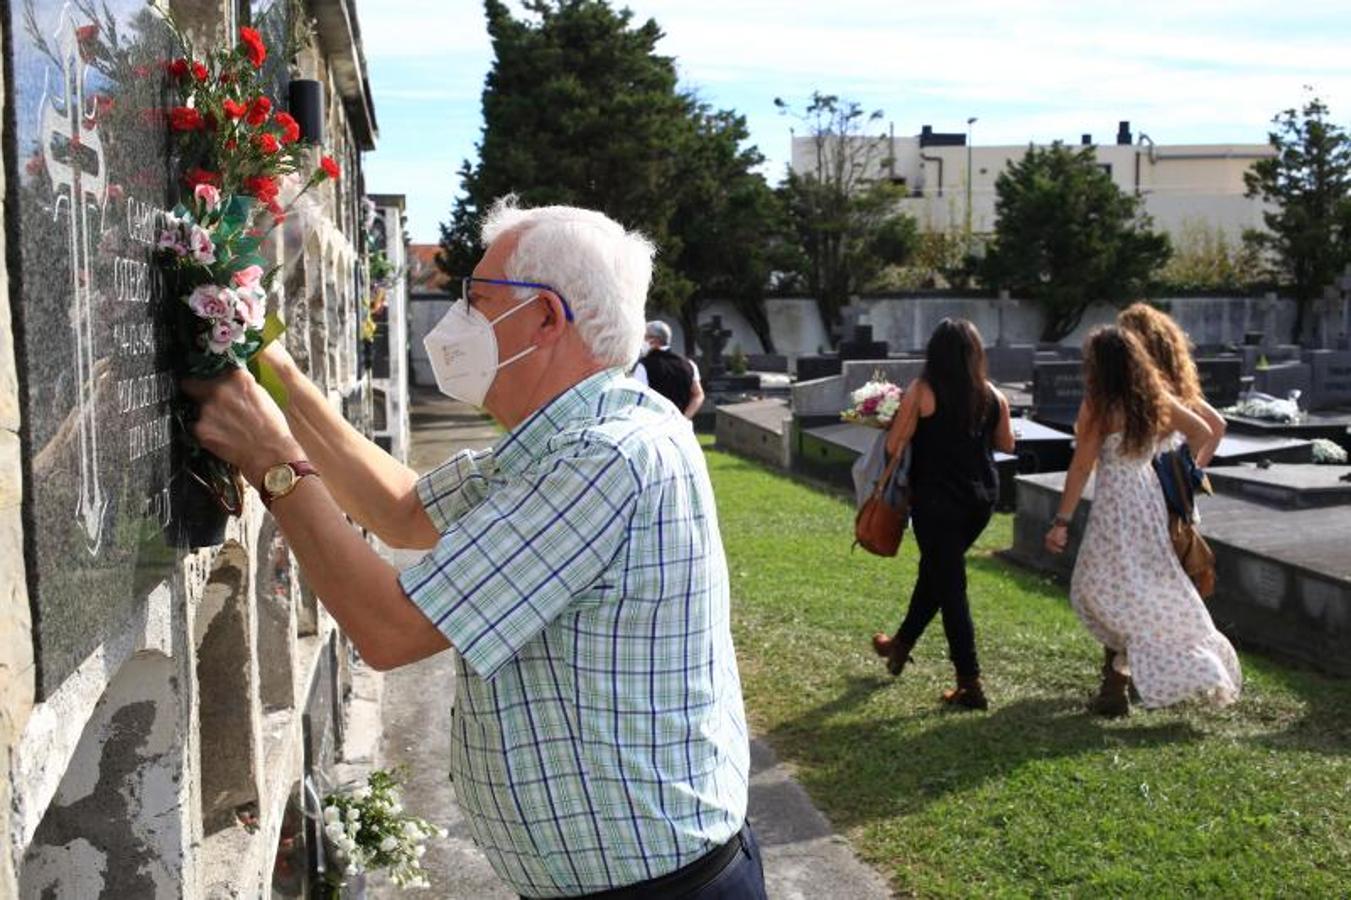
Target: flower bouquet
[239,155]
[368,830]
[874,404]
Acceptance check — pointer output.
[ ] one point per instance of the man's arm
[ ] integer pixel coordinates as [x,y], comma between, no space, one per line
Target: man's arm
[371,486]
[696,399]
[241,424]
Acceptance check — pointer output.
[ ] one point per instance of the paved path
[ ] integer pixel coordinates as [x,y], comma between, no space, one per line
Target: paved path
[804,858]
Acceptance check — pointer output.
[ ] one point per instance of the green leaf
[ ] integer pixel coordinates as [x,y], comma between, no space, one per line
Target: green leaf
[271,382]
[273,327]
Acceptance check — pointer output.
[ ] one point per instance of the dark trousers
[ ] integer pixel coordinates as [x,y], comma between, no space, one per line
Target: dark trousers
[742,877]
[944,536]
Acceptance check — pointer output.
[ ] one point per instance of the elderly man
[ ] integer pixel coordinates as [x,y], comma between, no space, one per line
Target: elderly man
[667,372]
[598,742]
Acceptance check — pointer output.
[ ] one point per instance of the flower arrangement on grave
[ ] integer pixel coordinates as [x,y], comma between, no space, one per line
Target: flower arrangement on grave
[368,830]
[875,403]
[240,157]
[1328,453]
[1256,405]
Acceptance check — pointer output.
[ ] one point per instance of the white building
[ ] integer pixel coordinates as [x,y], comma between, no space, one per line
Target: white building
[1182,184]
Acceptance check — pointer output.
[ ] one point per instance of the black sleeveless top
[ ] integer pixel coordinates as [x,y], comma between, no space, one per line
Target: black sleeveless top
[951,466]
[670,375]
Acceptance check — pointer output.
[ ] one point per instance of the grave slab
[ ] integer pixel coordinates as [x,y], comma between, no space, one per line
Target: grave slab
[1286,486]
[106,492]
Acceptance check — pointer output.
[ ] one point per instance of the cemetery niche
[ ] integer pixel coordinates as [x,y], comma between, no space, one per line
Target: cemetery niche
[108,489]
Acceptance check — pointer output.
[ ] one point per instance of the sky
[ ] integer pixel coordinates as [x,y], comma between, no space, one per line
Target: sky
[1182,71]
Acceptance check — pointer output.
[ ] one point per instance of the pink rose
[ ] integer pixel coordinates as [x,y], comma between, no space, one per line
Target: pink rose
[208,194]
[210,302]
[251,308]
[247,278]
[199,243]
[222,335]
[168,240]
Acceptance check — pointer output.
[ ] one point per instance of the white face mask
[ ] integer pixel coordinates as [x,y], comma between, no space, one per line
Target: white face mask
[462,349]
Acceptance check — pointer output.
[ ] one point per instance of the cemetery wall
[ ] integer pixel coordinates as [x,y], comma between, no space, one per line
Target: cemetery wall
[168,684]
[906,322]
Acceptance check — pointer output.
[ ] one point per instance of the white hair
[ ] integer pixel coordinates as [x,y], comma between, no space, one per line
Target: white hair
[602,270]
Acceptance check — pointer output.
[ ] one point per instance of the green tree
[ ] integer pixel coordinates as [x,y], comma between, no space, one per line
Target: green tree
[1067,236]
[841,209]
[1308,236]
[580,109]
[725,222]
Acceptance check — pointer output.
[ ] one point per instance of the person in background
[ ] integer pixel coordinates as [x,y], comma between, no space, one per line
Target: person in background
[667,372]
[1128,587]
[1170,350]
[953,418]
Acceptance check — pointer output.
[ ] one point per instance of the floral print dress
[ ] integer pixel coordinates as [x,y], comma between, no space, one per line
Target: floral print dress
[1132,593]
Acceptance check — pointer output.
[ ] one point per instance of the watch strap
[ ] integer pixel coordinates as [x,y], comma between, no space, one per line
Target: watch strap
[301,468]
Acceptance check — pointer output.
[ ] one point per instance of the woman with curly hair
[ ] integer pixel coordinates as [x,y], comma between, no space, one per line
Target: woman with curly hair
[1128,587]
[1170,350]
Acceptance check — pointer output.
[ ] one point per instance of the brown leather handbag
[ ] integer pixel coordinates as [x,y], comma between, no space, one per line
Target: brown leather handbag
[1180,479]
[1197,559]
[881,520]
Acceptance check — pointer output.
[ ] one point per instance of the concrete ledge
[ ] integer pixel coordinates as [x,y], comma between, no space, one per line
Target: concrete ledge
[759,429]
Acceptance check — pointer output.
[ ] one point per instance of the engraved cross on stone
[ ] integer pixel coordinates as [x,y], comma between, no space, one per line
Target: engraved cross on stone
[74,160]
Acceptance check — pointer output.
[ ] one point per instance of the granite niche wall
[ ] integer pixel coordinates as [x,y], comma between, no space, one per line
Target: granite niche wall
[169,687]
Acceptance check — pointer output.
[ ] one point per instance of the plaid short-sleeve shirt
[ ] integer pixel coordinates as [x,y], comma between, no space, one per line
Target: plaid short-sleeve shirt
[598,737]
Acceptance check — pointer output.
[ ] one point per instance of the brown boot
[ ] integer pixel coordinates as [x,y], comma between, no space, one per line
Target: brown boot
[895,650]
[1113,698]
[968,693]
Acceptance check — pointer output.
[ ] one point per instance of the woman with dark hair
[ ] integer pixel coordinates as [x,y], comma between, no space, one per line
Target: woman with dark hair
[1128,587]
[952,418]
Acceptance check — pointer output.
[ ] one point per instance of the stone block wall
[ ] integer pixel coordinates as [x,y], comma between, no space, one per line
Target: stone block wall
[171,761]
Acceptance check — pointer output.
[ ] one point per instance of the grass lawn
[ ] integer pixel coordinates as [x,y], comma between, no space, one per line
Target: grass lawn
[1035,797]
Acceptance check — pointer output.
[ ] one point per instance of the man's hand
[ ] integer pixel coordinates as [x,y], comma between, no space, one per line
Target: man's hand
[239,423]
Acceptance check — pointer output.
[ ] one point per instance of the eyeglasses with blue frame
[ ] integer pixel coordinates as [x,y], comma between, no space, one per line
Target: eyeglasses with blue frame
[470,279]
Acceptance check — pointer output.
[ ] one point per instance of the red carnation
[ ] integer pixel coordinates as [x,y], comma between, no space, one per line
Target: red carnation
[290,128]
[235,110]
[276,211]
[268,143]
[179,68]
[259,109]
[199,72]
[262,187]
[115,192]
[103,104]
[185,118]
[330,168]
[86,36]
[231,144]
[252,44]
[202,176]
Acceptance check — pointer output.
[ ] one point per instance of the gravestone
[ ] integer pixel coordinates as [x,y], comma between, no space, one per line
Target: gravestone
[1221,379]
[860,345]
[712,341]
[1280,379]
[1011,362]
[1057,391]
[1330,377]
[106,495]
[811,367]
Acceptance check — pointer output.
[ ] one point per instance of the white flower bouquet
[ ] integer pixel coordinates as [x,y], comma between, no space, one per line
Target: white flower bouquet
[1328,453]
[874,404]
[369,830]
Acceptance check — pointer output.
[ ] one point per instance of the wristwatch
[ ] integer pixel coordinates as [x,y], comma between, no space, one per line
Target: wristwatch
[282,478]
[1060,520]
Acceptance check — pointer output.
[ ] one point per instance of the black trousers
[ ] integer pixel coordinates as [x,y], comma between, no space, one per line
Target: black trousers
[944,535]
